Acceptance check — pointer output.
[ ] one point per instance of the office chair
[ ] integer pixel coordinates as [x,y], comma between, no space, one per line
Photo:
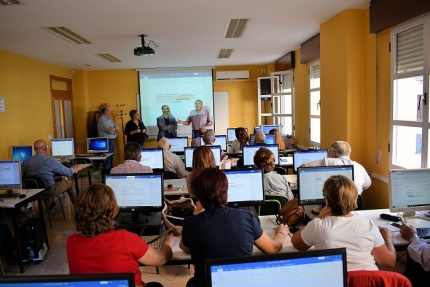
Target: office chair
[170,175]
[37,182]
[84,174]
[280,170]
[377,278]
[272,204]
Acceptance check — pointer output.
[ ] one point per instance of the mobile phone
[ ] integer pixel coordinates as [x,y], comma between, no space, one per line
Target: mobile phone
[395,224]
[293,229]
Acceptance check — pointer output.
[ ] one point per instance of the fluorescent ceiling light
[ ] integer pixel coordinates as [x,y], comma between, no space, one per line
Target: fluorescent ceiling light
[235,28]
[108,58]
[225,53]
[67,35]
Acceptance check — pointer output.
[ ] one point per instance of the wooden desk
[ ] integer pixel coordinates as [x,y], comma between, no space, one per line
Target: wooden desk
[85,167]
[14,205]
[179,184]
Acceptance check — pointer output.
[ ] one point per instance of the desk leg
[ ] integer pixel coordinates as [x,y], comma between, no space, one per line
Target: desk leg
[42,218]
[76,175]
[17,240]
[89,176]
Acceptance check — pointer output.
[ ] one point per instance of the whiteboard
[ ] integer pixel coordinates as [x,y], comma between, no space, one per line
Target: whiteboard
[221,119]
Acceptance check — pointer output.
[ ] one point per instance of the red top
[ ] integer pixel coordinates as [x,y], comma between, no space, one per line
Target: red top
[114,251]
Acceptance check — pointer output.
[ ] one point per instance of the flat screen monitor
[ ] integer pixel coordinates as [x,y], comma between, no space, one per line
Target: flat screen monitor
[216,150]
[322,268]
[10,174]
[409,190]
[219,140]
[105,280]
[245,187]
[137,192]
[152,157]
[303,156]
[270,139]
[97,145]
[62,147]
[310,181]
[21,152]
[231,134]
[248,152]
[178,144]
[257,130]
[266,128]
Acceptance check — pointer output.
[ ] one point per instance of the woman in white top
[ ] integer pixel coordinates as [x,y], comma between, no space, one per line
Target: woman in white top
[337,226]
[242,138]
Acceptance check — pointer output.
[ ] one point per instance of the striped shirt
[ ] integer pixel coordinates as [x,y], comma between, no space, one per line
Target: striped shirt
[131,166]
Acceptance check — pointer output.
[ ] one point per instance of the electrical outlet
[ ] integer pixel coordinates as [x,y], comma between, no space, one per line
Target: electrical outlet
[49,137]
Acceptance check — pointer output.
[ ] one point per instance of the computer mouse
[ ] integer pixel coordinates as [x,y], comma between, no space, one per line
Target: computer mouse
[22,195]
[169,186]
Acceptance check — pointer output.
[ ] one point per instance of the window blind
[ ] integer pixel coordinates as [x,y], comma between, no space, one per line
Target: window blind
[410,52]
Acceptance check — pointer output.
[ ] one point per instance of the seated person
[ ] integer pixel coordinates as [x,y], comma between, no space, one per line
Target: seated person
[220,231]
[98,248]
[242,138]
[337,226]
[196,141]
[259,138]
[279,139]
[274,183]
[131,163]
[172,162]
[45,166]
[209,138]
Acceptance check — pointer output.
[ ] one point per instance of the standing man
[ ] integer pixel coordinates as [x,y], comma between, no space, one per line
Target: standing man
[108,129]
[198,118]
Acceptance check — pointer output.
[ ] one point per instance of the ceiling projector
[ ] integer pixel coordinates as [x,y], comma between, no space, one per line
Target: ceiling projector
[145,50]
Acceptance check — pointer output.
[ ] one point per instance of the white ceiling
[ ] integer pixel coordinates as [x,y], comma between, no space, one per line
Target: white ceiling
[188,32]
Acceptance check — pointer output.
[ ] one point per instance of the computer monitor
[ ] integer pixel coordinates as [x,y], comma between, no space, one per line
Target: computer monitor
[310,182]
[219,140]
[231,134]
[322,268]
[257,130]
[97,145]
[270,139]
[105,280]
[137,192]
[10,174]
[188,151]
[303,156]
[153,157]
[266,128]
[62,147]
[248,152]
[178,144]
[409,190]
[245,187]
[22,152]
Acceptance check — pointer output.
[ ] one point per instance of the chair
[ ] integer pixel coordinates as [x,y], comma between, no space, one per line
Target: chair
[84,174]
[377,278]
[272,204]
[280,170]
[170,175]
[37,182]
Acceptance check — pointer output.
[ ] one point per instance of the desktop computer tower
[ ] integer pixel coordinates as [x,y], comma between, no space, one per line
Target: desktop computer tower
[31,238]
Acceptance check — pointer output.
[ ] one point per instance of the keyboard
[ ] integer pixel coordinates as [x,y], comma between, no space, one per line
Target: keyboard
[423,232]
[9,195]
[156,244]
[84,155]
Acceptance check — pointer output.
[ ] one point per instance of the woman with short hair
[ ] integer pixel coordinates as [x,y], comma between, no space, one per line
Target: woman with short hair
[338,226]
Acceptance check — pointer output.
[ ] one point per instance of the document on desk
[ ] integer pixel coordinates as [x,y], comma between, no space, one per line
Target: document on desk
[390,227]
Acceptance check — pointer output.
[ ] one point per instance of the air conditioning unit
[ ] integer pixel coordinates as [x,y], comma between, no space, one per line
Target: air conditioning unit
[232,75]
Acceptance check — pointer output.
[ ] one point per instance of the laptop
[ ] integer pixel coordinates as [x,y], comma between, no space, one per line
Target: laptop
[322,268]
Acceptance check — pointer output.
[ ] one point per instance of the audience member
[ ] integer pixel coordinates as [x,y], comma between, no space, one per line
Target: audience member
[195,142]
[242,138]
[98,248]
[209,138]
[45,166]
[259,138]
[418,261]
[337,226]
[202,158]
[279,139]
[340,152]
[220,231]
[135,130]
[132,156]
[172,162]
[108,129]
[166,124]
[274,183]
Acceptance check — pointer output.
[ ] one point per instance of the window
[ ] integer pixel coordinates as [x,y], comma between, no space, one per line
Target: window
[314,88]
[410,89]
[282,100]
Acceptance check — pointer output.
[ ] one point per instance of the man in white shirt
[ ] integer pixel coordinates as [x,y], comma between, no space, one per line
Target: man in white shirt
[340,152]
[172,162]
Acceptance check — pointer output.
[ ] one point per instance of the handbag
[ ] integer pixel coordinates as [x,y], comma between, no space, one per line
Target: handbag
[175,211]
[291,213]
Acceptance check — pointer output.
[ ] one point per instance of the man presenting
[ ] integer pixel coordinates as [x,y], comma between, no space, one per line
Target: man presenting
[198,118]
[108,129]
[45,166]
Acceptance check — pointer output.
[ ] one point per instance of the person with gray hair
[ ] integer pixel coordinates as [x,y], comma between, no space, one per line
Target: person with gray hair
[260,138]
[209,137]
[339,155]
[172,162]
[132,156]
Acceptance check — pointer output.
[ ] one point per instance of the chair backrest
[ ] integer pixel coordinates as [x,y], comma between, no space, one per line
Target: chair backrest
[170,175]
[280,170]
[33,182]
[378,278]
[83,160]
[270,207]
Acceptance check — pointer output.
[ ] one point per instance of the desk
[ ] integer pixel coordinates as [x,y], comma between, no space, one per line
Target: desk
[99,159]
[179,184]
[14,205]
[76,175]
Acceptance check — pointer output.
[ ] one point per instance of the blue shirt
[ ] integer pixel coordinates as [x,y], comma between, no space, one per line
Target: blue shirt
[103,125]
[45,167]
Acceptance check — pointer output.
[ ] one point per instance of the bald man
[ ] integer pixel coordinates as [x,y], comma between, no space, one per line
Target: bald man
[172,162]
[45,166]
[259,138]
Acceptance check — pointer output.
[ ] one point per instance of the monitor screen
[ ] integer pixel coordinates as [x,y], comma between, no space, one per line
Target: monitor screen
[310,181]
[62,147]
[270,139]
[152,157]
[322,268]
[409,190]
[245,187]
[219,140]
[231,134]
[257,130]
[10,174]
[178,144]
[21,152]
[97,145]
[216,150]
[266,128]
[248,152]
[81,280]
[303,156]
